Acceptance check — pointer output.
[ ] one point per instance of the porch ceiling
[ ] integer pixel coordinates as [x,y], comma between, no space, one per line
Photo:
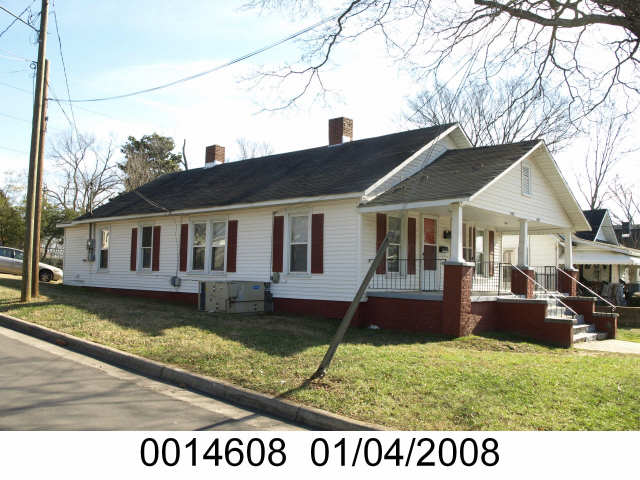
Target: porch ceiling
[499,222]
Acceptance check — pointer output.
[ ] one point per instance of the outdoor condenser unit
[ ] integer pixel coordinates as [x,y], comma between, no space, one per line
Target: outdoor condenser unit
[231,297]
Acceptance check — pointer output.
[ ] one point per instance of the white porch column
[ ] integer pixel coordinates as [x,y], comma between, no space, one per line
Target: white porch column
[568,252]
[523,244]
[456,234]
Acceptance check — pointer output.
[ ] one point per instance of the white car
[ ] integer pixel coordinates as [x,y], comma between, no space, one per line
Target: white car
[11,262]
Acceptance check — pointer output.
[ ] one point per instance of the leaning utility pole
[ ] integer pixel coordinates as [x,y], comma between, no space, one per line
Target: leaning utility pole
[27,262]
[35,268]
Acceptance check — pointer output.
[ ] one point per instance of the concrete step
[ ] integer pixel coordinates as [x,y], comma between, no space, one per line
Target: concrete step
[589,337]
[585,337]
[583,328]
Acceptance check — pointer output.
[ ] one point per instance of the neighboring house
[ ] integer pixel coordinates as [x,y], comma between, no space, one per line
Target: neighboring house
[309,223]
[628,234]
[599,255]
[596,252]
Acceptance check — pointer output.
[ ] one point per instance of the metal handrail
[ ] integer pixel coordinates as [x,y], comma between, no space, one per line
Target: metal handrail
[613,307]
[555,296]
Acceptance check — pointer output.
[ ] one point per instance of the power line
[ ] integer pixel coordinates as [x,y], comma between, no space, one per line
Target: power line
[14,150]
[214,69]
[66,77]
[55,100]
[64,112]
[14,20]
[15,118]
[17,18]
[17,88]
[13,56]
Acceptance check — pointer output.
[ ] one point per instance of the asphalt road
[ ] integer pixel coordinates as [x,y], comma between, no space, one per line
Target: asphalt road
[46,387]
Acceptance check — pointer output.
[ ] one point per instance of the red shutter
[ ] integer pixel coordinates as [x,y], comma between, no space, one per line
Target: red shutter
[277,243]
[381,232]
[411,246]
[317,243]
[155,260]
[492,253]
[232,245]
[184,238]
[472,232]
[133,259]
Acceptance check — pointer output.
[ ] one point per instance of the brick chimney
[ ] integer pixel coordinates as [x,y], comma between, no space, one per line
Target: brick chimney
[213,154]
[340,129]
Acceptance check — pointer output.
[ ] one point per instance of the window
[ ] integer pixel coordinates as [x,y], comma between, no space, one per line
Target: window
[526,179]
[298,243]
[218,243]
[394,228]
[104,248]
[18,254]
[6,252]
[199,246]
[147,246]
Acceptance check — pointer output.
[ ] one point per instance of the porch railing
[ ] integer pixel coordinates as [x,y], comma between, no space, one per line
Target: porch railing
[546,278]
[602,299]
[410,275]
[491,277]
[427,275]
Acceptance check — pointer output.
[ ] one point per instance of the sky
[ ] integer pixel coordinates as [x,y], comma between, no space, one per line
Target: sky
[118,46]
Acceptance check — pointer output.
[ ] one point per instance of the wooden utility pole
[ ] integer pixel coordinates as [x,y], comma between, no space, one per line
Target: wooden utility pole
[351,311]
[35,268]
[27,262]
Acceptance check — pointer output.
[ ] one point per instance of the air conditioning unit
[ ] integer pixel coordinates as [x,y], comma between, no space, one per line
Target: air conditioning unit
[231,297]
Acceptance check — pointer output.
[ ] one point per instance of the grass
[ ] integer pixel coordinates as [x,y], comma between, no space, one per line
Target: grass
[400,380]
[629,334]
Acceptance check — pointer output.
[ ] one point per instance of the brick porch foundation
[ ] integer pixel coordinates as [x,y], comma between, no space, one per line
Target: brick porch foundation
[523,284]
[568,284]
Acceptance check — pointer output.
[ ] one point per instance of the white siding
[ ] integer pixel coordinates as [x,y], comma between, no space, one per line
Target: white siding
[543,249]
[338,282]
[505,196]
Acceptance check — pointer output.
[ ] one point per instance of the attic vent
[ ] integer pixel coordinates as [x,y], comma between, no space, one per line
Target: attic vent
[526,179]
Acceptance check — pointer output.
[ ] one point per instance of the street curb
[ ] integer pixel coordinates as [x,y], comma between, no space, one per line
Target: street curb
[284,409]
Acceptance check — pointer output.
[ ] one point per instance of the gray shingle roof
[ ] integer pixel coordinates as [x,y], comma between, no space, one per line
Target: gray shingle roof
[456,174]
[329,170]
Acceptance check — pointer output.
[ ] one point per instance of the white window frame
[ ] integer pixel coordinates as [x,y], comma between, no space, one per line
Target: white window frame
[208,221]
[140,266]
[399,244]
[289,216]
[529,191]
[210,245]
[101,229]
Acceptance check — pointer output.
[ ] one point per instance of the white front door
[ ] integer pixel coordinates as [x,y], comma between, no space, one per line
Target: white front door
[431,267]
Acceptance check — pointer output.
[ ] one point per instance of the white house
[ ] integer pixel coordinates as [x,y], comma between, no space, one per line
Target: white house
[309,222]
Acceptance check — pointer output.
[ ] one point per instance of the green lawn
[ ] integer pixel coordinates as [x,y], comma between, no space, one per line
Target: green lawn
[629,334]
[403,381]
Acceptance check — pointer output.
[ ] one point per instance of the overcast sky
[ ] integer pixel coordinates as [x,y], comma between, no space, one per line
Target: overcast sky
[119,46]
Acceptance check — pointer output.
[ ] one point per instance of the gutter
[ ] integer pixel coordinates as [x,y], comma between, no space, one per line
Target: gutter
[239,206]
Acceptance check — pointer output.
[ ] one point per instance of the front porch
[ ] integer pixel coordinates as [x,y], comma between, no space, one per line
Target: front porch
[424,242]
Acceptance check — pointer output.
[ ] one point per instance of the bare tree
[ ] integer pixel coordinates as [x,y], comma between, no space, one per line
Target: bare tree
[502,113]
[609,134]
[184,161]
[87,175]
[252,149]
[587,47]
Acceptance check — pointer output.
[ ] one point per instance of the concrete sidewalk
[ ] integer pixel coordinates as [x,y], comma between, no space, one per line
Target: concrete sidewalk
[611,346]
